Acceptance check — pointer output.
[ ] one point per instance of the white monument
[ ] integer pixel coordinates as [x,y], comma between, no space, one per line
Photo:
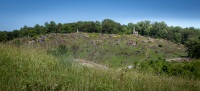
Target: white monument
[135,32]
[77,31]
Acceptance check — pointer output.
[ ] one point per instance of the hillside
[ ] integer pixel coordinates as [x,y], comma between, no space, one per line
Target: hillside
[95,62]
[189,37]
[110,49]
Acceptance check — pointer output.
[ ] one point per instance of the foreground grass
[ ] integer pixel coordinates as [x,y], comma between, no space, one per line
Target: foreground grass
[35,70]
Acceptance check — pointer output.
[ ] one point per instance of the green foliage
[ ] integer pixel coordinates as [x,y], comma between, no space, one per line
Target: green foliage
[3,36]
[110,26]
[160,66]
[144,27]
[158,30]
[193,48]
[177,37]
[52,27]
[59,51]
[128,29]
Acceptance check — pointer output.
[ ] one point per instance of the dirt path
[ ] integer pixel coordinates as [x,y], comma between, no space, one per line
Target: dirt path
[179,60]
[99,66]
[91,64]
[102,67]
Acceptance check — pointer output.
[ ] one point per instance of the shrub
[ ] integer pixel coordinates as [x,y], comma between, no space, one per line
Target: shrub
[160,66]
[60,50]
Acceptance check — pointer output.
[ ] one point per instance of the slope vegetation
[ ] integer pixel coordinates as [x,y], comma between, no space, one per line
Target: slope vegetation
[34,69]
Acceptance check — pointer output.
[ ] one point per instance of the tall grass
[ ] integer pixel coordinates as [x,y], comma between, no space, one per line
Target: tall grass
[36,70]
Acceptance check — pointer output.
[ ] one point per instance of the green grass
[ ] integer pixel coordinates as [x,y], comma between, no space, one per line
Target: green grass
[34,69]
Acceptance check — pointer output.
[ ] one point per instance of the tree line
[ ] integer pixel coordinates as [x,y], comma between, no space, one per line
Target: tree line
[190,37]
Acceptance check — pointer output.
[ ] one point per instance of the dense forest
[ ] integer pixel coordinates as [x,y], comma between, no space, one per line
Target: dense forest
[190,37]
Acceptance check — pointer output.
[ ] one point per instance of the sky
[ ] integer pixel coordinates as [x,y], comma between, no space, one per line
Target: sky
[14,14]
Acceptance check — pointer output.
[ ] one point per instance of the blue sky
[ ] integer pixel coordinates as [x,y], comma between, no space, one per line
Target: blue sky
[14,14]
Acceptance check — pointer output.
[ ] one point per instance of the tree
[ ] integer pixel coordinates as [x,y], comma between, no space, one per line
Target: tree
[3,36]
[59,28]
[39,29]
[46,25]
[110,26]
[25,31]
[129,29]
[52,27]
[67,28]
[88,26]
[16,33]
[98,27]
[125,30]
[159,29]
[177,37]
[193,47]
[32,33]
[143,27]
[174,34]
[188,34]
[9,35]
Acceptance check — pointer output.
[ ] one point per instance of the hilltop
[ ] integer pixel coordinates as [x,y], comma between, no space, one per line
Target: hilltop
[189,37]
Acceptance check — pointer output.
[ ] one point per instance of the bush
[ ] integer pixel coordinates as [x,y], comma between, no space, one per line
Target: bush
[193,48]
[160,66]
[60,50]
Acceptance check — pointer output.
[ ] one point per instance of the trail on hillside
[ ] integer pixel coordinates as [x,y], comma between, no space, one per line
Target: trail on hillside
[99,66]
[103,67]
[179,60]
[91,64]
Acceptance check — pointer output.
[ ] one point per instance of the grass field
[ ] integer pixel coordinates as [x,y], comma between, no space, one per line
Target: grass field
[45,66]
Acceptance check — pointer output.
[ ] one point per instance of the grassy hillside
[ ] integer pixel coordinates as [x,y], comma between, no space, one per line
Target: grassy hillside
[109,49]
[32,68]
